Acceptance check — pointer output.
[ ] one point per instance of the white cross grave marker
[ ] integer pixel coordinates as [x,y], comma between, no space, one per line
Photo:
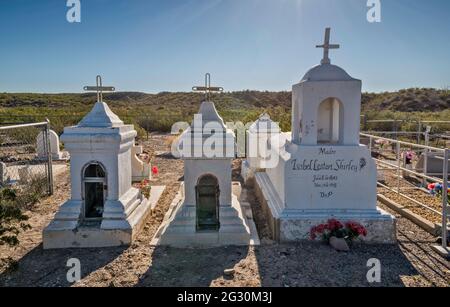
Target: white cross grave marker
[99,88]
[327,46]
[208,89]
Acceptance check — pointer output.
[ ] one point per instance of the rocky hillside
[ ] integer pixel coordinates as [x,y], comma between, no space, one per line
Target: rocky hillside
[408,100]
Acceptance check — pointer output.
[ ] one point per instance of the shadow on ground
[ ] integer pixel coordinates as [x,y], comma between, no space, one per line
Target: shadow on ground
[173,267]
[52,266]
[311,264]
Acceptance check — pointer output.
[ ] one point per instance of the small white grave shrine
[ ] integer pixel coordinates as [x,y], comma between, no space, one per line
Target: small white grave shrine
[207,211]
[258,138]
[104,209]
[54,145]
[326,172]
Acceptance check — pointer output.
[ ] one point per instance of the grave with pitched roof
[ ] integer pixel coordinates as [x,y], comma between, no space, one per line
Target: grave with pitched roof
[210,209]
[104,208]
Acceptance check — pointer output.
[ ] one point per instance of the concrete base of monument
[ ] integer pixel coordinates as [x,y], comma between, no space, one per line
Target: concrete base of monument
[295,225]
[237,227]
[65,231]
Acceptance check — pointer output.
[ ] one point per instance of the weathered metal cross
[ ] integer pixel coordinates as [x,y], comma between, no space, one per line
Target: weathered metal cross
[327,46]
[208,89]
[99,88]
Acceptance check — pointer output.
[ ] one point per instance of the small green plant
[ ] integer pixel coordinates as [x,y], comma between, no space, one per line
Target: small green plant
[12,220]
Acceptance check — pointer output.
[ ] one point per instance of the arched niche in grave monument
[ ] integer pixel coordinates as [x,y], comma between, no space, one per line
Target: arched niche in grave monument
[94,189]
[207,203]
[330,121]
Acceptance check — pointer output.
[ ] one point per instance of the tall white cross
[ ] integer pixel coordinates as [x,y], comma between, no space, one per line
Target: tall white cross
[99,88]
[208,89]
[327,46]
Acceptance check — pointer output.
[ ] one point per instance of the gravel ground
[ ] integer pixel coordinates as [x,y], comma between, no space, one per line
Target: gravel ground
[433,202]
[411,262]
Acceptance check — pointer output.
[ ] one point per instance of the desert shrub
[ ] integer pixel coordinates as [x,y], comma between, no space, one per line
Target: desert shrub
[12,220]
[31,191]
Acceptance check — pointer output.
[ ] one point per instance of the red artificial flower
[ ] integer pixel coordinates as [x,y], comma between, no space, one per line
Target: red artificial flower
[155,170]
[318,230]
[356,227]
[334,224]
[431,186]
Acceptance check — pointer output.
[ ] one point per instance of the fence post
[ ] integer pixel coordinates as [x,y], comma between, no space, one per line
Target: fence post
[396,129]
[427,143]
[419,131]
[445,200]
[49,158]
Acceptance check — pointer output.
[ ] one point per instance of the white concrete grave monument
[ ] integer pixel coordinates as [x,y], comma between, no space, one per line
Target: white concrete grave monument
[326,173]
[104,209]
[207,212]
[258,137]
[54,146]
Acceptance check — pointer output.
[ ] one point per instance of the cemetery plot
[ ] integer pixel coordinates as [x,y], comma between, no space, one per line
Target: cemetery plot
[435,133]
[270,264]
[408,175]
[24,166]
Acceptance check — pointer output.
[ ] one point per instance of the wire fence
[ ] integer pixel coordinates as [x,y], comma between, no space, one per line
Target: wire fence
[26,160]
[410,130]
[415,176]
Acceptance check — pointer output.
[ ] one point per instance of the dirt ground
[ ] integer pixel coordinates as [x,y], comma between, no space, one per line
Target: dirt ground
[410,262]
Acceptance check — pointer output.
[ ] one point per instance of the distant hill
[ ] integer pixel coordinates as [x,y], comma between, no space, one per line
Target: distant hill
[408,100]
[160,111]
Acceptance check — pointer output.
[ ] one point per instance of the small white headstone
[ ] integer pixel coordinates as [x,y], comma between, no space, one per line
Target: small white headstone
[54,145]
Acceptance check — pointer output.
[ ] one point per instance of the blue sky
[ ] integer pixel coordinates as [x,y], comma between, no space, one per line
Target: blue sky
[168,45]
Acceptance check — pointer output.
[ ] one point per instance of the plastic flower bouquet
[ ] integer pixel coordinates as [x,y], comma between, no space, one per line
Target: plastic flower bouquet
[334,228]
[437,189]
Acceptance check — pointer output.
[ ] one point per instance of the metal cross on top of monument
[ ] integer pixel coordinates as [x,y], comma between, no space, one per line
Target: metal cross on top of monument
[99,88]
[327,46]
[208,89]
